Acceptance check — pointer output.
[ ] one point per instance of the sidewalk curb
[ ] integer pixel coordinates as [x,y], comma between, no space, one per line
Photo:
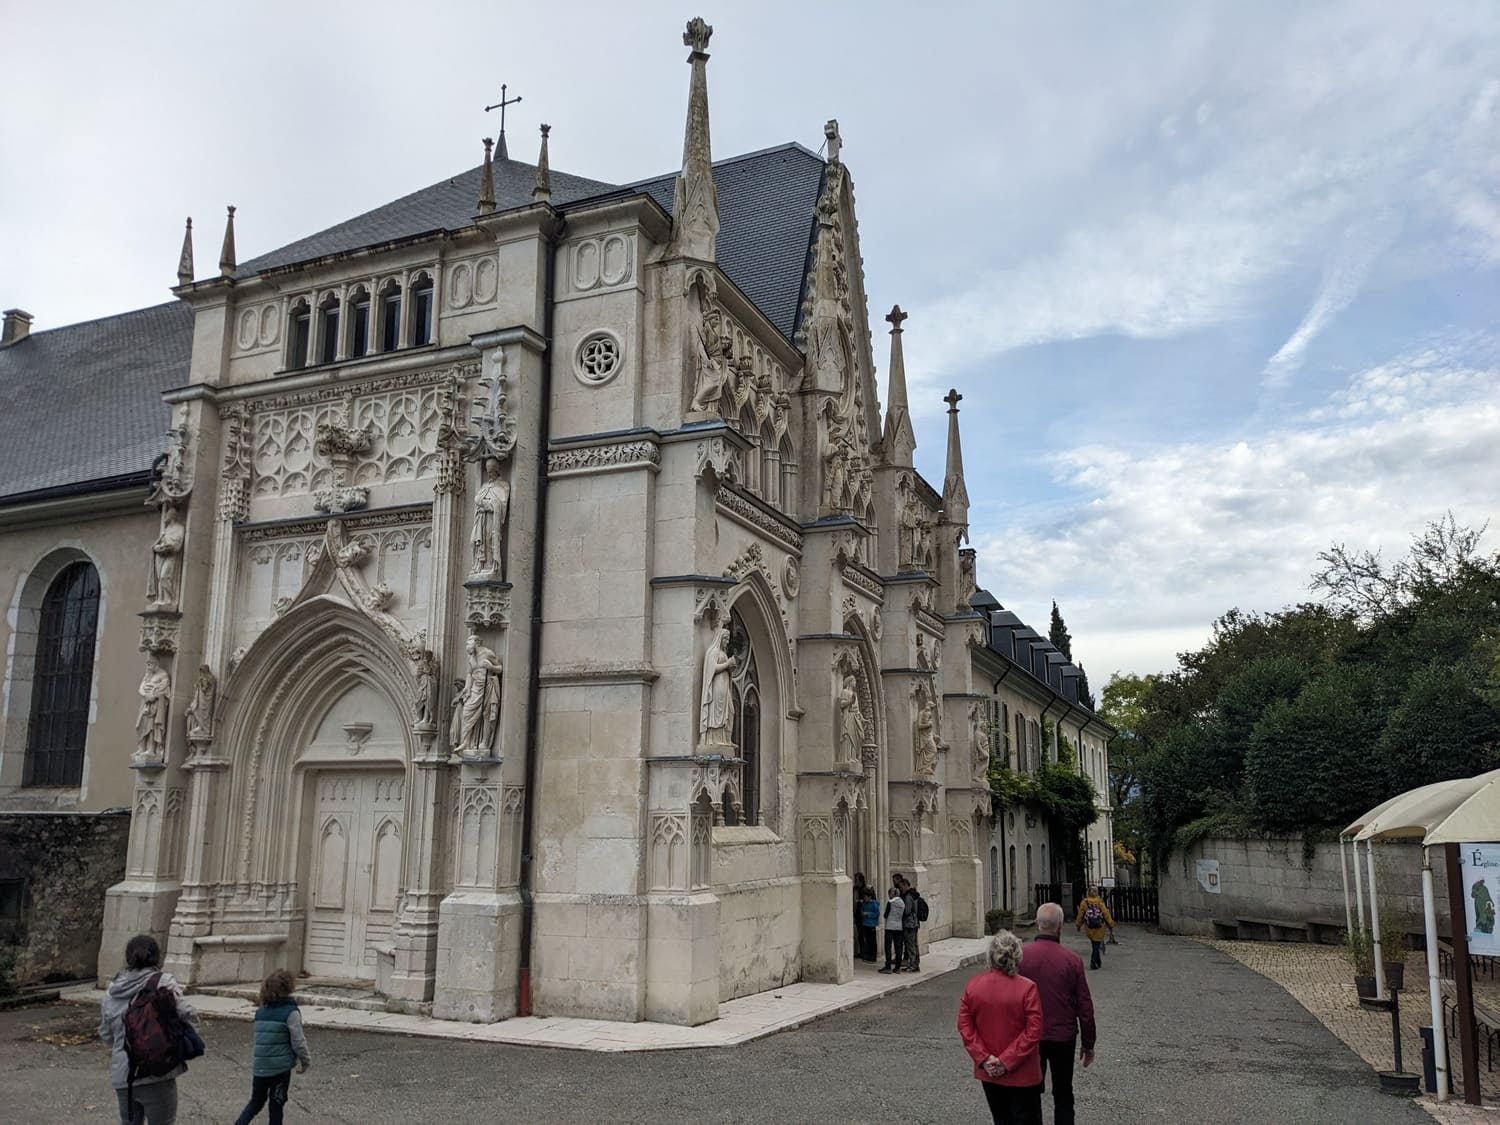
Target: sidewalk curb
[584,1034]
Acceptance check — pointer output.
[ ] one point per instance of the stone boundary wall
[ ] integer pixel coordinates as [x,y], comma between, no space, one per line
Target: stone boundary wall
[1267,878]
[64,863]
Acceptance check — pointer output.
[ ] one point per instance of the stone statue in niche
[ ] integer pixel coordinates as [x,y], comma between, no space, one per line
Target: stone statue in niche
[161,583]
[852,721]
[979,741]
[491,505]
[200,709]
[711,348]
[716,710]
[151,721]
[479,716]
[424,699]
[926,740]
[910,519]
[836,460]
[456,717]
[967,583]
[924,658]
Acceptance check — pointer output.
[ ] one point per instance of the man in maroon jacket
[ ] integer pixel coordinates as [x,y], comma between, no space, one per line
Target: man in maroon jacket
[1067,1008]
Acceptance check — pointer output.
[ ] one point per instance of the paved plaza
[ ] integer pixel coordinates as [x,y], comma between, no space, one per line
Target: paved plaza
[1187,1034]
[1318,977]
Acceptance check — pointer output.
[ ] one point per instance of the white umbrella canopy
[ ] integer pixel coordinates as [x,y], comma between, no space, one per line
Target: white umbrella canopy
[1417,812]
[1380,808]
[1476,819]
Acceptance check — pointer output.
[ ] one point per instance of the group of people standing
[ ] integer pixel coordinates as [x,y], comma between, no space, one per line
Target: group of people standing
[1030,1013]
[900,918]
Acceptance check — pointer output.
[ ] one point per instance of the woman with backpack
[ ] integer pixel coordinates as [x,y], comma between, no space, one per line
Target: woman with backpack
[1095,919]
[140,1018]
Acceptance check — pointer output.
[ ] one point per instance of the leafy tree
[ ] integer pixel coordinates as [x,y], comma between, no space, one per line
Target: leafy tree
[1309,762]
[1443,727]
[1058,634]
[1122,706]
[1360,584]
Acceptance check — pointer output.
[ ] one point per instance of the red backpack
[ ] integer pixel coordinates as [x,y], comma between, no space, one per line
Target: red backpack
[153,1039]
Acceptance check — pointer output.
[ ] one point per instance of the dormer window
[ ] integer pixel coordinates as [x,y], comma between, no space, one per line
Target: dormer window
[300,336]
[421,311]
[328,330]
[359,323]
[390,316]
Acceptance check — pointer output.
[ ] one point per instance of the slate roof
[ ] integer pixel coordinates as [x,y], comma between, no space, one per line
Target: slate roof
[767,204]
[449,204]
[82,404]
[766,216]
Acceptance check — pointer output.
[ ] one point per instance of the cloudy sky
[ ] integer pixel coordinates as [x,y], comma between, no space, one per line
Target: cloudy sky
[1220,283]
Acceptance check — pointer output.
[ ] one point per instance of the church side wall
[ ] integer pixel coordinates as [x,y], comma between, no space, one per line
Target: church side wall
[119,546]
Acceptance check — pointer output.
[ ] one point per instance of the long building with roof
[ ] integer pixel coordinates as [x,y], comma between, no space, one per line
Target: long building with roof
[512,599]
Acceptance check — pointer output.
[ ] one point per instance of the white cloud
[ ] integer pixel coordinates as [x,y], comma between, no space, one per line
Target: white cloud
[1249,177]
[1343,278]
[1163,541]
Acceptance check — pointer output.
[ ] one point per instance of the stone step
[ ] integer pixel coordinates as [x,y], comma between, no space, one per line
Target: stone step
[358,996]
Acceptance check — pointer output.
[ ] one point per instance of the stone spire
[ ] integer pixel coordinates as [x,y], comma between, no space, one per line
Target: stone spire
[955,493]
[487,181]
[185,260]
[541,191]
[900,438]
[695,203]
[226,253]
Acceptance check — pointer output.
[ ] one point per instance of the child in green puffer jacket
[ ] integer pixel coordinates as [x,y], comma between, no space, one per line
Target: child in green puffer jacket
[279,1042]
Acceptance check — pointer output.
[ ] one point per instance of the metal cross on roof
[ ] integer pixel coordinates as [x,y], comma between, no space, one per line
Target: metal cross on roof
[501,153]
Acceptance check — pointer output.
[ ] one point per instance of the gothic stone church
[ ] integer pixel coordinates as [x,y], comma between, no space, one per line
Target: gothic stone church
[528,607]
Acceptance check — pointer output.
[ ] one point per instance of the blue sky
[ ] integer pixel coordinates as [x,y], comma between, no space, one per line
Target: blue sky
[1219,283]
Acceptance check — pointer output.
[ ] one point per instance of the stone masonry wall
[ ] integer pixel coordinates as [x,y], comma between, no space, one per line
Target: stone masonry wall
[64,863]
[1266,878]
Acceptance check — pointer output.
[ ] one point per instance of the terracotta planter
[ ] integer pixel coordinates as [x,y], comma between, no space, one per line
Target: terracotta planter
[1395,975]
[1364,986]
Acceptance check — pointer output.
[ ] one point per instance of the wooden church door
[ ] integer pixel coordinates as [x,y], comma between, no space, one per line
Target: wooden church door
[355,873]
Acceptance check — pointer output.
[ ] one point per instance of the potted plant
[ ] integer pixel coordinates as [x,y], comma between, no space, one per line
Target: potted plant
[1360,950]
[1393,953]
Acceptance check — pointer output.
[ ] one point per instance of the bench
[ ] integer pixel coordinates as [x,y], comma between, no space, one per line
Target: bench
[1486,1022]
[1271,929]
[1478,965]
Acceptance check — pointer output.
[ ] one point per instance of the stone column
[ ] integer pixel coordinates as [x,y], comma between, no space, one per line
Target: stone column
[193,917]
[479,935]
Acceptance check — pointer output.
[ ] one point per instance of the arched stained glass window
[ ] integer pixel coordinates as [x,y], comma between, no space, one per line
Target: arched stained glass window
[62,678]
[745,684]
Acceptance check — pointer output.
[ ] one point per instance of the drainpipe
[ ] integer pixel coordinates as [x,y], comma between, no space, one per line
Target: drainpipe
[534,672]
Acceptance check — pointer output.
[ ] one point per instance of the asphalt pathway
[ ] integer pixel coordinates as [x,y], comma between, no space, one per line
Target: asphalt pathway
[1187,1034]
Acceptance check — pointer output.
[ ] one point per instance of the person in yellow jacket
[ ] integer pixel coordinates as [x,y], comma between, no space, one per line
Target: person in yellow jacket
[1095,919]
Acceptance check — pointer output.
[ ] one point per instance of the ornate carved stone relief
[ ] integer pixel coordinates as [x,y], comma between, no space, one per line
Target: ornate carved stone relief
[603,262]
[603,458]
[778,529]
[257,328]
[473,283]
[400,416]
[474,730]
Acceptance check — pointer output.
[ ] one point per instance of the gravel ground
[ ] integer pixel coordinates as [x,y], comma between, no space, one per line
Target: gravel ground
[1187,1034]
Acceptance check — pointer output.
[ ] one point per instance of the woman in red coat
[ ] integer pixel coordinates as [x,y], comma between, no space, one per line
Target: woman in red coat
[1000,1022]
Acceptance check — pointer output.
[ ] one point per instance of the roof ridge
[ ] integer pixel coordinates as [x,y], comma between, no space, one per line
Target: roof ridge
[99,320]
[783,147]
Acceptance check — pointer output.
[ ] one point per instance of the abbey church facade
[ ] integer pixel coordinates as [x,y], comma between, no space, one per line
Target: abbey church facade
[530,606]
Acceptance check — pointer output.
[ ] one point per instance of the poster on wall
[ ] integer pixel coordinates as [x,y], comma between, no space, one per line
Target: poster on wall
[1208,875]
[1479,865]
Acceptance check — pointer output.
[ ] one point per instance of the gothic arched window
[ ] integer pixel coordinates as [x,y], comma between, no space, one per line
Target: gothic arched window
[745,684]
[62,678]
